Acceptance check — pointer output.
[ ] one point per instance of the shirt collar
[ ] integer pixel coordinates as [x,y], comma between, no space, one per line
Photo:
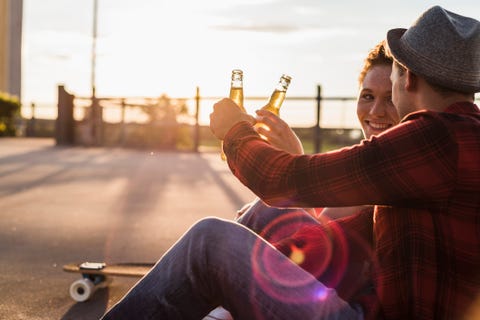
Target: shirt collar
[462,107]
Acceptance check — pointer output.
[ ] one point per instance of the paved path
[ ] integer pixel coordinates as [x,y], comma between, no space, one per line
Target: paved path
[59,205]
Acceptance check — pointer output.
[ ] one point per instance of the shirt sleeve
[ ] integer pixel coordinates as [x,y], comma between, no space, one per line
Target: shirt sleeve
[411,164]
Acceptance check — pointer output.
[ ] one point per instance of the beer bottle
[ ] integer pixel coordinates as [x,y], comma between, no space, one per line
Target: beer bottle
[236,88]
[276,99]
[236,94]
[278,95]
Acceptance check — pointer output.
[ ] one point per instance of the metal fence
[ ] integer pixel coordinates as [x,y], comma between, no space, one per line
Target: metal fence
[93,114]
[320,119]
[316,104]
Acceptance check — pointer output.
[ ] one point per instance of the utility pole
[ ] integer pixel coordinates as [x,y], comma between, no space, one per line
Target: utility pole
[94,46]
[96,111]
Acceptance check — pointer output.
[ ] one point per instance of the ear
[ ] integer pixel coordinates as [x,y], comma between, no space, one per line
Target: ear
[411,80]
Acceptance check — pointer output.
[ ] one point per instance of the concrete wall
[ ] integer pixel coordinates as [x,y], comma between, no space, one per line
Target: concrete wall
[4,52]
[11,46]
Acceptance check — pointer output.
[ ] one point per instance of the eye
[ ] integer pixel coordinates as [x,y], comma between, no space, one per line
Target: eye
[367,96]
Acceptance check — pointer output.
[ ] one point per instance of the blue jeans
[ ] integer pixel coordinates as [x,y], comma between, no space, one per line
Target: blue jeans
[274,223]
[220,262]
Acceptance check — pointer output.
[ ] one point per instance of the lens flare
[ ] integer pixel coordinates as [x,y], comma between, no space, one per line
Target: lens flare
[322,249]
[333,255]
[273,272]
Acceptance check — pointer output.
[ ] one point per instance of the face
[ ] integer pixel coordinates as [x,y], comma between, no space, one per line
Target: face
[399,94]
[375,109]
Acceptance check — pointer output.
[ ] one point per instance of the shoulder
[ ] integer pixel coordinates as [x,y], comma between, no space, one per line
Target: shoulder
[430,122]
[461,111]
[444,124]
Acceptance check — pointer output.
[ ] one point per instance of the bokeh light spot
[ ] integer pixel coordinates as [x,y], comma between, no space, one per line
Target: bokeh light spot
[322,294]
[296,255]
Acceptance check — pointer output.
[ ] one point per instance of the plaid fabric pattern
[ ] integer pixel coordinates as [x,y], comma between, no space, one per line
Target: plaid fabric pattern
[424,178]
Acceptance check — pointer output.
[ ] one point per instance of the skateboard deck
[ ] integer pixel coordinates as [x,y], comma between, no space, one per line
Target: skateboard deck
[96,275]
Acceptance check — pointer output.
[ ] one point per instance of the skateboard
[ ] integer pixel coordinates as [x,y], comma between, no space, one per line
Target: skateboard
[96,275]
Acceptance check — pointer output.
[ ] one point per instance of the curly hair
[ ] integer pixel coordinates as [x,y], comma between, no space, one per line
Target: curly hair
[376,56]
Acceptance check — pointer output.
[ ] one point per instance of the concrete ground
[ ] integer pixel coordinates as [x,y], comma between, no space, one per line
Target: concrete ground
[64,204]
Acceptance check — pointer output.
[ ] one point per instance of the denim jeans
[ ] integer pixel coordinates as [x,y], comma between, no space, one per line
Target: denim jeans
[274,223]
[220,262]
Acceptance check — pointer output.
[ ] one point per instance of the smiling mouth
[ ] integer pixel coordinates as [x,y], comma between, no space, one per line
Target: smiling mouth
[378,126]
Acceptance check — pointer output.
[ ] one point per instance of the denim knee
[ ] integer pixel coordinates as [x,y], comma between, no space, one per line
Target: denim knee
[212,228]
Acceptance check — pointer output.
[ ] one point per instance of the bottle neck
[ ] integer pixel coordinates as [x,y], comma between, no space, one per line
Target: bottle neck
[283,84]
[236,83]
[237,79]
[236,89]
[278,95]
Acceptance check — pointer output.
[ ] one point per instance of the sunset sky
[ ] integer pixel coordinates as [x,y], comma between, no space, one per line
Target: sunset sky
[150,47]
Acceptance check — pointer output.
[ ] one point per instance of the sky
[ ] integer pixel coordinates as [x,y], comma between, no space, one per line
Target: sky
[152,47]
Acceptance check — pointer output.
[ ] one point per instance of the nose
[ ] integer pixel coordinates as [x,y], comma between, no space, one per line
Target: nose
[378,108]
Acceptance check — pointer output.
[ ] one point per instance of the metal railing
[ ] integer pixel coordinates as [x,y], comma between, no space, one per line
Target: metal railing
[317,130]
[318,99]
[70,102]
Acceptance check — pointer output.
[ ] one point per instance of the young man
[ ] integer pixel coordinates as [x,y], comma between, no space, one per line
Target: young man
[423,175]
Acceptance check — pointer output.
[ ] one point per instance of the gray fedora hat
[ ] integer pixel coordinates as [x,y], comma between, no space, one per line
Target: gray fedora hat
[441,46]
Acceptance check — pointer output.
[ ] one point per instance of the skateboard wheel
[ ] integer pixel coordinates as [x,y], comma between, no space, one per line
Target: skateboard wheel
[82,289]
[218,314]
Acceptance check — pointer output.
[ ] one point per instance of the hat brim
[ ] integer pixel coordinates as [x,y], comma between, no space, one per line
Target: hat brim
[393,43]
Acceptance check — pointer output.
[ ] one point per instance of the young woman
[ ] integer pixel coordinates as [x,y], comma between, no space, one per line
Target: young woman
[375,111]
[376,114]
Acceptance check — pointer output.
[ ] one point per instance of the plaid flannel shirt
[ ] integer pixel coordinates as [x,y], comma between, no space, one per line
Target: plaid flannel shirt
[423,176]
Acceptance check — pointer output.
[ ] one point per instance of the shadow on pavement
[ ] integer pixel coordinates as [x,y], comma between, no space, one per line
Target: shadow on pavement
[91,309]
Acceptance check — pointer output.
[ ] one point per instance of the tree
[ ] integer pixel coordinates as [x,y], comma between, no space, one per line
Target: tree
[163,115]
[9,109]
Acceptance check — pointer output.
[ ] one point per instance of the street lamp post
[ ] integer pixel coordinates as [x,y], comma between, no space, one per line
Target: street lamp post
[94,45]
[96,111]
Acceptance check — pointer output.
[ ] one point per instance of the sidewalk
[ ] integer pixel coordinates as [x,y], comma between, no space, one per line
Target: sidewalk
[60,205]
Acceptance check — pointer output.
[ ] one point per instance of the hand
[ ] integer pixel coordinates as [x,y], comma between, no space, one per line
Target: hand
[278,132]
[340,212]
[225,115]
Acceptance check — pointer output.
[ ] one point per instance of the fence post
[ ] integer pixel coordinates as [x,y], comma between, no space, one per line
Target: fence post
[30,131]
[318,130]
[123,128]
[96,122]
[196,137]
[64,129]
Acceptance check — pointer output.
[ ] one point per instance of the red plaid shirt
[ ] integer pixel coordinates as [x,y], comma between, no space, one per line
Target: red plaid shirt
[424,178]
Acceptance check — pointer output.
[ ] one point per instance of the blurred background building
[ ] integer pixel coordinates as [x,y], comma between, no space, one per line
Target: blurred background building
[11,47]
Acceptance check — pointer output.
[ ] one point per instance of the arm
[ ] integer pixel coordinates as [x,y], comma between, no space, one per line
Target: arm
[410,164]
[340,212]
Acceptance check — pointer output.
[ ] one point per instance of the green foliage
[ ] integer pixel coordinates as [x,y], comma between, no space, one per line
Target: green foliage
[9,108]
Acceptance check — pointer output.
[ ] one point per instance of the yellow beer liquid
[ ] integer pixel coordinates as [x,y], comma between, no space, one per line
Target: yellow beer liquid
[236,94]
[273,106]
[275,102]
